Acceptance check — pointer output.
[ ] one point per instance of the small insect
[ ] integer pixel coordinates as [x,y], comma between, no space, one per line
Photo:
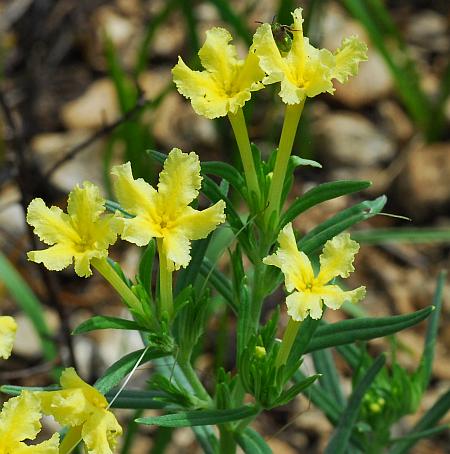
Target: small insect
[282,35]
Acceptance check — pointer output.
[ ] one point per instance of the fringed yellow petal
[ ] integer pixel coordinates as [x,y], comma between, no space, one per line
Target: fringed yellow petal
[50,446]
[20,419]
[348,56]
[100,432]
[85,205]
[177,248]
[334,297]
[180,180]
[337,258]
[8,328]
[69,407]
[227,83]
[51,225]
[302,304]
[54,258]
[139,230]
[199,224]
[294,264]
[217,56]
[134,196]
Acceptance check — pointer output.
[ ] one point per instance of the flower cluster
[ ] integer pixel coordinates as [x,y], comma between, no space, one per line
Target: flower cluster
[227,82]
[85,232]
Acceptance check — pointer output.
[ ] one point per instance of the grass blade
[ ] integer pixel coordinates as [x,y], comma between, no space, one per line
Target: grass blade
[401,235]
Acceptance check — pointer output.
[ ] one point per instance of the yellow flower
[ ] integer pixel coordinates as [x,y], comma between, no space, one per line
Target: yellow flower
[311,291]
[84,409]
[165,213]
[305,71]
[19,421]
[8,329]
[80,235]
[227,83]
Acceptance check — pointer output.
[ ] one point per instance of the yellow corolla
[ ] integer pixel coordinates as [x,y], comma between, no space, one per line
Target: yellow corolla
[80,235]
[165,213]
[311,291]
[305,71]
[8,329]
[20,421]
[227,83]
[81,407]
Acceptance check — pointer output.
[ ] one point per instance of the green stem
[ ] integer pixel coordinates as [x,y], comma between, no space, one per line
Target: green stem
[227,441]
[194,381]
[286,344]
[291,119]
[108,272]
[237,121]
[257,293]
[165,282]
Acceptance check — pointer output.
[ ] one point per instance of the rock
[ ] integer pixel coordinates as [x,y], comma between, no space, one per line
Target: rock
[395,121]
[425,180]
[97,106]
[86,165]
[349,139]
[11,216]
[429,29]
[373,81]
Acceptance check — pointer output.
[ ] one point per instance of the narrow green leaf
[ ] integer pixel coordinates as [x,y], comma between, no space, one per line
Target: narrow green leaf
[365,328]
[104,322]
[220,282]
[225,171]
[340,222]
[324,364]
[428,420]
[30,304]
[321,193]
[401,235]
[351,354]
[426,363]
[252,443]
[341,437]
[116,372]
[423,434]
[136,399]
[200,417]
[294,390]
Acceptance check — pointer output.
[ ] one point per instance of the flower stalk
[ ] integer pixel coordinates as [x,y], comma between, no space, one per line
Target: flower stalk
[165,282]
[286,344]
[291,119]
[239,126]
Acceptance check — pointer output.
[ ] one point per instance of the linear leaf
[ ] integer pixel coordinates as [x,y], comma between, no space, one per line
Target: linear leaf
[365,328]
[324,364]
[339,441]
[116,372]
[136,399]
[426,362]
[321,193]
[104,322]
[225,171]
[401,235]
[200,417]
[252,443]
